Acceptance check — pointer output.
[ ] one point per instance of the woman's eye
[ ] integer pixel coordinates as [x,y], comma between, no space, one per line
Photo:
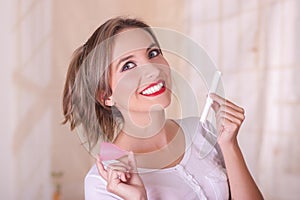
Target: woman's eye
[127,66]
[153,53]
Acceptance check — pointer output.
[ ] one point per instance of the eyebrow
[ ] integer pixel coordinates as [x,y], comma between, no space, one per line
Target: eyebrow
[123,59]
[151,45]
[131,56]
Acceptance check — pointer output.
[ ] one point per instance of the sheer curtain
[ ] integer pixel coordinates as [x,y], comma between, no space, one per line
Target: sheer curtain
[256,46]
[37,41]
[27,100]
[254,43]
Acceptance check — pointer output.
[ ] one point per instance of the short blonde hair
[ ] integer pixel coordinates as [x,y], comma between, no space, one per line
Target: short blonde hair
[87,83]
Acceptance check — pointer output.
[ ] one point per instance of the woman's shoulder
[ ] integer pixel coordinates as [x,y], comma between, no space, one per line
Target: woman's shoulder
[93,172]
[93,178]
[95,186]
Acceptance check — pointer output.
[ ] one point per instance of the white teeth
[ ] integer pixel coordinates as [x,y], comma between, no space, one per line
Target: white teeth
[153,89]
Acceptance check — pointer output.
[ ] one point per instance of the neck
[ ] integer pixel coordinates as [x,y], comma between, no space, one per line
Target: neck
[164,149]
[143,125]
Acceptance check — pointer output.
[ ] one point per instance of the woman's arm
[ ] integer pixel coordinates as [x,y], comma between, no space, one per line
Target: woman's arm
[229,119]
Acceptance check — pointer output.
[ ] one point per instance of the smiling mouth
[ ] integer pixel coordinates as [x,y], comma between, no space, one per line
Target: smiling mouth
[154,89]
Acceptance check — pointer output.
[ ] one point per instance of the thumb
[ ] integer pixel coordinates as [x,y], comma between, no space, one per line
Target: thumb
[215,106]
[132,162]
[135,178]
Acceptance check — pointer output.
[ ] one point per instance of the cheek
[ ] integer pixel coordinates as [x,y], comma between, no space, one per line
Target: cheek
[166,67]
[124,87]
[167,71]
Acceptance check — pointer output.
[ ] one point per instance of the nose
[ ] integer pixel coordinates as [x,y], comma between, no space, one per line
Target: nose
[151,70]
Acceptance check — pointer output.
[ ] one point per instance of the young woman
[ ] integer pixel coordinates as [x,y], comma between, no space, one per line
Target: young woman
[117,88]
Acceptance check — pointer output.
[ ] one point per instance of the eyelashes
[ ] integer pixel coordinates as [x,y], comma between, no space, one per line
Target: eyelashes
[130,64]
[127,66]
[153,53]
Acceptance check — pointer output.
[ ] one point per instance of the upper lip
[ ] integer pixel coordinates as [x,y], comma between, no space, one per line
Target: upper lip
[153,84]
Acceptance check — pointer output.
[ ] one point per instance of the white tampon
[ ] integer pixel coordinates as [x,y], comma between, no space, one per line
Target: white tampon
[209,101]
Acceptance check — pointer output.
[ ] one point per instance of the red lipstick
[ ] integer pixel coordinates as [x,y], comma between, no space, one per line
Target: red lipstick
[154,89]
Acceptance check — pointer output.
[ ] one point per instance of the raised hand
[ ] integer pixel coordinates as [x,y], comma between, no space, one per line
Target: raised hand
[229,118]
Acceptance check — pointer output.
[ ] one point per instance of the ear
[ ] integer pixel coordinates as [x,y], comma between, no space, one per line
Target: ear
[106,101]
[109,101]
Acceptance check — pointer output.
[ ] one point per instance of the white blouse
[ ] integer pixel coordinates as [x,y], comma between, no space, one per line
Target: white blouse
[199,175]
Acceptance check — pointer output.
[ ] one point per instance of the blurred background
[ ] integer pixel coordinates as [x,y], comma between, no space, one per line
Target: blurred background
[255,43]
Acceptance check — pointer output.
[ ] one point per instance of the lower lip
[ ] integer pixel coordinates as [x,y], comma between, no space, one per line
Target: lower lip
[162,90]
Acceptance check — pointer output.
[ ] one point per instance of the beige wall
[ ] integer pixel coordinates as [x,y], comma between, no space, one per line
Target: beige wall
[254,43]
[73,22]
[256,46]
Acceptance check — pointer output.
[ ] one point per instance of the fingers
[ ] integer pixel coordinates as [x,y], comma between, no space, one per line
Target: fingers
[226,109]
[135,177]
[117,174]
[218,101]
[115,181]
[132,162]
[101,168]
[119,166]
[116,170]
[230,114]
[121,179]
[122,169]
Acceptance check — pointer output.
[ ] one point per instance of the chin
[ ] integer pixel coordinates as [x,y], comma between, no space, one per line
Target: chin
[163,103]
[168,102]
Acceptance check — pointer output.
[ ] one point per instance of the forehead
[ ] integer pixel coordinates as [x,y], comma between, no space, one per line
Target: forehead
[130,40]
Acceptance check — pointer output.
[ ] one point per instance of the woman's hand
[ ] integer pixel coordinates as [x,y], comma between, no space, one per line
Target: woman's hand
[229,119]
[123,179]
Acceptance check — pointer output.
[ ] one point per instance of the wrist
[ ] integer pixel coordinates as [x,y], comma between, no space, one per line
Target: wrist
[232,145]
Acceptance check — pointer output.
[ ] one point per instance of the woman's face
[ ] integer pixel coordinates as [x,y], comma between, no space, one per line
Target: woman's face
[140,75]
